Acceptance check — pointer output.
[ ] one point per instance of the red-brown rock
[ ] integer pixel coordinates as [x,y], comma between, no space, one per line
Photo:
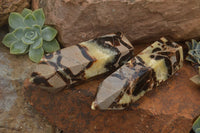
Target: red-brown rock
[140,20]
[8,6]
[169,108]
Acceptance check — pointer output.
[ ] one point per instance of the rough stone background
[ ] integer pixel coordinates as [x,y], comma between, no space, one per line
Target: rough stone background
[142,21]
[8,6]
[16,115]
[169,108]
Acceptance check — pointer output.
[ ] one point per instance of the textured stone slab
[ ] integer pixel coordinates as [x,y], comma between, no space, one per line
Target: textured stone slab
[147,70]
[82,61]
[142,20]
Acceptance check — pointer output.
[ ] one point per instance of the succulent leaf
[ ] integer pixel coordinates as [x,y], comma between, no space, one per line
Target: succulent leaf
[198,45]
[37,28]
[36,54]
[9,39]
[38,43]
[30,20]
[197,130]
[51,46]
[15,20]
[27,41]
[194,52]
[194,57]
[26,12]
[48,33]
[35,36]
[30,33]
[194,43]
[189,58]
[196,124]
[189,45]
[27,29]
[18,48]
[39,15]
[19,33]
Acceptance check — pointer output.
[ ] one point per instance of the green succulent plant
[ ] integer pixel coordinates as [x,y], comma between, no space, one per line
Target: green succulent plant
[196,125]
[28,34]
[194,52]
[194,57]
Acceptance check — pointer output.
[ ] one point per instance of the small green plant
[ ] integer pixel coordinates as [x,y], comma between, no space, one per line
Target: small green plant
[30,35]
[194,57]
[194,52]
[196,125]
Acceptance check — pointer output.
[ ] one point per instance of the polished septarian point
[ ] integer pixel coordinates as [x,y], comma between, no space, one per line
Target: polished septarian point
[141,74]
[116,90]
[83,61]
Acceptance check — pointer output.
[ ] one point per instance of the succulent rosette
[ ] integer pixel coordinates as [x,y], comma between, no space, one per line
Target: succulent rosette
[194,52]
[194,57]
[30,35]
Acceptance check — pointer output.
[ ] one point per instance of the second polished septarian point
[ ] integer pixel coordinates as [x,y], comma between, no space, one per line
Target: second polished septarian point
[147,70]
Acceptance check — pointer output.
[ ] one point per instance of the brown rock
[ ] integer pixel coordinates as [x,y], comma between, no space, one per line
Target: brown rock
[140,20]
[8,6]
[169,108]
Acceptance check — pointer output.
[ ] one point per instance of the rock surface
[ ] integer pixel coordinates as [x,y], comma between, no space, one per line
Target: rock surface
[16,116]
[8,6]
[169,108]
[140,20]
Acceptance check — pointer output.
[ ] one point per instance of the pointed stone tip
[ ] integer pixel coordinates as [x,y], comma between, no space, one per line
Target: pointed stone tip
[94,105]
